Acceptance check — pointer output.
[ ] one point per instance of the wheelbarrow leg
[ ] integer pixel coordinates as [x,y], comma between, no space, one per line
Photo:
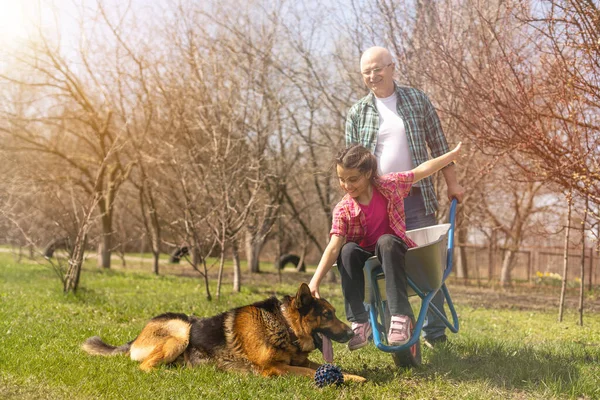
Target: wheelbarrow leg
[380,323]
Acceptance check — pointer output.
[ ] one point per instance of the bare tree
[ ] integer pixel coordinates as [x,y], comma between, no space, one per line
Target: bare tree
[528,91]
[563,287]
[64,205]
[71,120]
[135,77]
[582,264]
[298,112]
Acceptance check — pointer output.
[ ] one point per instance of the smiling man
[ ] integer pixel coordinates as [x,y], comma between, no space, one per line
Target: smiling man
[400,126]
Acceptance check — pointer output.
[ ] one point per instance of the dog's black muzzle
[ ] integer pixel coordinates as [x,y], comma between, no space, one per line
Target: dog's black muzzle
[343,337]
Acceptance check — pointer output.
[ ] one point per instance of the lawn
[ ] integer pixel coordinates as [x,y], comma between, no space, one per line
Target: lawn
[505,349]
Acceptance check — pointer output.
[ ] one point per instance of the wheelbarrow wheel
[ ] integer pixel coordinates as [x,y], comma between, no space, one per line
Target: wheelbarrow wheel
[410,357]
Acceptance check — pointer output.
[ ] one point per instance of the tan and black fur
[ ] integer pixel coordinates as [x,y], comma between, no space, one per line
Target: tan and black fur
[268,338]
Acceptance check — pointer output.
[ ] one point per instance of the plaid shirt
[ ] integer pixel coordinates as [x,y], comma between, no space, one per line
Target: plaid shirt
[423,129]
[349,220]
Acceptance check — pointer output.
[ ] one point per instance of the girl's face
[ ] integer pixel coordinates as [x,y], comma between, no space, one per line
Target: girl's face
[353,182]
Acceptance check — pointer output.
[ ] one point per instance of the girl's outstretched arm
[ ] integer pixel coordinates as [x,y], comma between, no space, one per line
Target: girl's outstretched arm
[329,256]
[432,166]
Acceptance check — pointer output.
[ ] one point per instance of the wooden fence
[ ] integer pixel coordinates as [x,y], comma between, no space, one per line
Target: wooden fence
[485,264]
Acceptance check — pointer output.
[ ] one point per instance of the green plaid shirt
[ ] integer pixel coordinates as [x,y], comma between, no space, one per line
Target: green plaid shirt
[423,129]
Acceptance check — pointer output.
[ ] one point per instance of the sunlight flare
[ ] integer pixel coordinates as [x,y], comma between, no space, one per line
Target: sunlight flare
[17,21]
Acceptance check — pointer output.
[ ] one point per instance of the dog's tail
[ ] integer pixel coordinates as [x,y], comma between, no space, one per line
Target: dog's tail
[96,347]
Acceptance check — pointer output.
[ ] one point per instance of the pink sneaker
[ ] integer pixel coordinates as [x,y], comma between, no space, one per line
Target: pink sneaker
[399,333]
[362,332]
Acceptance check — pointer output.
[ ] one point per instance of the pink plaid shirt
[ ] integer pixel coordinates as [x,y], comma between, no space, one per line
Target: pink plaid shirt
[349,220]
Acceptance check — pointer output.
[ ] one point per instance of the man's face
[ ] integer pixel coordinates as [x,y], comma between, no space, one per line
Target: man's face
[378,75]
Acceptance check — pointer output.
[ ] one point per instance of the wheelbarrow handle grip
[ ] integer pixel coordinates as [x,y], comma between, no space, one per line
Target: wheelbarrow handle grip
[453,206]
[449,257]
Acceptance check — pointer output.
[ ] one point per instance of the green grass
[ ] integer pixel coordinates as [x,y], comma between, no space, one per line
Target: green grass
[498,354]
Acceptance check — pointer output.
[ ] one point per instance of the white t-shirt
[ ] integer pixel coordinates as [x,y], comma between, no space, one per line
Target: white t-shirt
[392,151]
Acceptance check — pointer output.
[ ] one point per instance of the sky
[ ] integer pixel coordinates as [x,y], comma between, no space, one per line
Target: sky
[19,19]
[15,16]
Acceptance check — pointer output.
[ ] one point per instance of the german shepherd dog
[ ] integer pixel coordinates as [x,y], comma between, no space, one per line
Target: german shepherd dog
[268,338]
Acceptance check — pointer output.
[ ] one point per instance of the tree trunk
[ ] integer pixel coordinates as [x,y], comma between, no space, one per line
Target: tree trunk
[121,255]
[150,218]
[492,256]
[590,279]
[462,270]
[221,265]
[237,272]
[505,273]
[155,243]
[20,254]
[253,247]
[302,256]
[99,254]
[155,266]
[563,289]
[197,259]
[71,281]
[105,247]
[220,275]
[279,247]
[582,273]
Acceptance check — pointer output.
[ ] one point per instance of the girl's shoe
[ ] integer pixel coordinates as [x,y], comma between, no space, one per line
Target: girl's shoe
[399,333]
[362,333]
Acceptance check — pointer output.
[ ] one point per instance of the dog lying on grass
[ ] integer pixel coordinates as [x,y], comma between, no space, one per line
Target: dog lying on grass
[268,338]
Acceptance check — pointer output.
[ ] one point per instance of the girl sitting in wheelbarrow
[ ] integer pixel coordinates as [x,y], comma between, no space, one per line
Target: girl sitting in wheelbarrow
[370,220]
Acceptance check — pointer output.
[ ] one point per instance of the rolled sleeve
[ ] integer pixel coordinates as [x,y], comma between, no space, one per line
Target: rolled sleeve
[404,181]
[339,222]
[351,135]
[434,134]
[398,183]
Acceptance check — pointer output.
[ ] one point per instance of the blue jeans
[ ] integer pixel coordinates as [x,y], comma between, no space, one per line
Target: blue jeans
[416,218]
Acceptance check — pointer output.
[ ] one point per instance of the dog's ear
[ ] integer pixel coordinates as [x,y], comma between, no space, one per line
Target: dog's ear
[303,296]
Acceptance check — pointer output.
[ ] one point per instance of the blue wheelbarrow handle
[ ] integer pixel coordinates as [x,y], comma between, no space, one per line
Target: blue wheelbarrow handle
[450,258]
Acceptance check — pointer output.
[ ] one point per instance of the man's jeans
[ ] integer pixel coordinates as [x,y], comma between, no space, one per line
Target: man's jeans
[416,218]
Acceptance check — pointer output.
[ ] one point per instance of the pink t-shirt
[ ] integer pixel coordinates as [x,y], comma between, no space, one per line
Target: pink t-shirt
[377,220]
[349,220]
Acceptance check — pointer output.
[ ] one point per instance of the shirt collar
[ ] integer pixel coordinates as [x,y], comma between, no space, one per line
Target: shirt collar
[371,96]
[352,205]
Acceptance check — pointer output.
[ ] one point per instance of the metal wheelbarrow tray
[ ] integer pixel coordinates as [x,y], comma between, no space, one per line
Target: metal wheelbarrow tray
[427,268]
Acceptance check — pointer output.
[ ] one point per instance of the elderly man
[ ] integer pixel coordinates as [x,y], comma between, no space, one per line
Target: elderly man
[398,124]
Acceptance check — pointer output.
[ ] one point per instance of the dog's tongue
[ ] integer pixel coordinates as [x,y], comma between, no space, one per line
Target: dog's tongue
[327,349]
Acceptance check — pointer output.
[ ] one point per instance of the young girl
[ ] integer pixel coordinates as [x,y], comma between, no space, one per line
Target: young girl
[369,220]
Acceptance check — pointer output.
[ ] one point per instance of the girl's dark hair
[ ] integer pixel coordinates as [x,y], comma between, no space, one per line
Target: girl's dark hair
[357,157]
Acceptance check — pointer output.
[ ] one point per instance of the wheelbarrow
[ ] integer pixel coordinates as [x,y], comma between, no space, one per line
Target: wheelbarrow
[427,268]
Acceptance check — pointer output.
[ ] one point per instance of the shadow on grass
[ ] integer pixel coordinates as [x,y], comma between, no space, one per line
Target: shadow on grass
[505,365]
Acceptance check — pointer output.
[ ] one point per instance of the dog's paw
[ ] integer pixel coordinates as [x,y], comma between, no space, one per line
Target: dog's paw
[354,378]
